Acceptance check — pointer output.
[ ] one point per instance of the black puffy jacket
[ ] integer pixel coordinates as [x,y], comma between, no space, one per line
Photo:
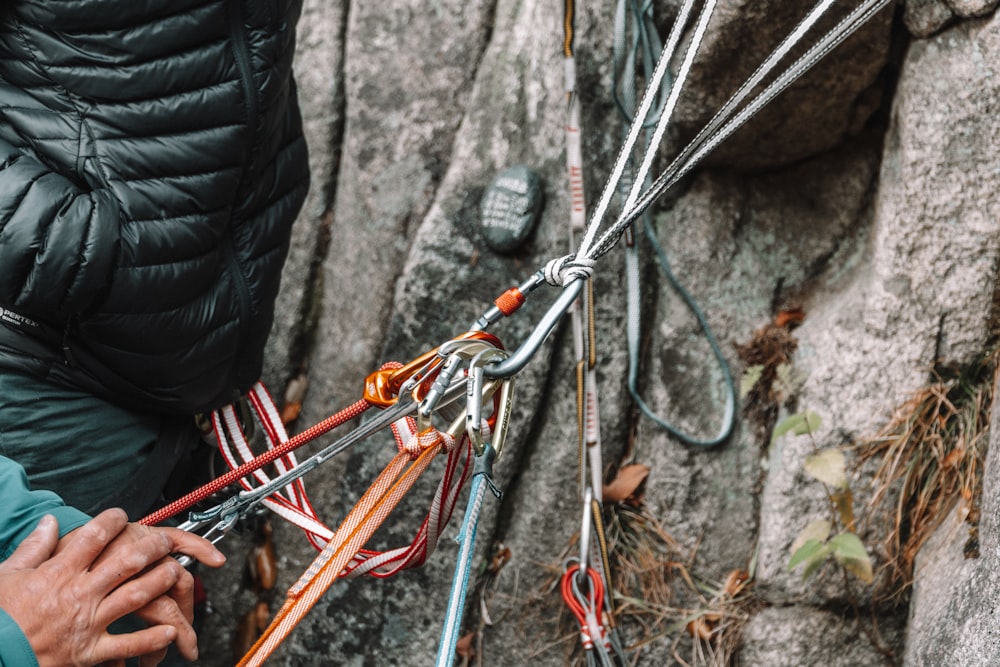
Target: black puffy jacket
[151,165]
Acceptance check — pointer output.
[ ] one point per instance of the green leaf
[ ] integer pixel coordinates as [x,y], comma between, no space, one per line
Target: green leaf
[799,423]
[849,551]
[828,466]
[816,530]
[808,551]
[812,553]
[786,381]
[751,375]
[813,565]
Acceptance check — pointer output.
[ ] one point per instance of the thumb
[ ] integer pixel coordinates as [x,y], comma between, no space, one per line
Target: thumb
[36,547]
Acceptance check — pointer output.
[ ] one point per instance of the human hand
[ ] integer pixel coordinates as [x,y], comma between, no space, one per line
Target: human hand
[64,594]
[176,606]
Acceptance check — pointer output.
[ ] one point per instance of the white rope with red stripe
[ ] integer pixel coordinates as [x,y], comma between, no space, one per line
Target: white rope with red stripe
[294,506]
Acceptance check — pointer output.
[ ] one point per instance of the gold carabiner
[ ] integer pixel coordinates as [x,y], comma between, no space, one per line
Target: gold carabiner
[383,386]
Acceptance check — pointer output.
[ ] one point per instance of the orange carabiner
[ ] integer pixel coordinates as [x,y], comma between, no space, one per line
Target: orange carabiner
[382,387]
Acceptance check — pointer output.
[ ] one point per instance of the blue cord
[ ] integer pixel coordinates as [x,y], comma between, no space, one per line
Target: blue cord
[481,481]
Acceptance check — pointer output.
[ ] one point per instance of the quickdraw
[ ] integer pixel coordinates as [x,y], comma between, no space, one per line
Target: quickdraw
[426,387]
[583,318]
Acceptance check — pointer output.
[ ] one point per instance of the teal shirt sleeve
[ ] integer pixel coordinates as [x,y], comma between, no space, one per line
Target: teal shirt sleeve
[20,511]
[15,651]
[21,508]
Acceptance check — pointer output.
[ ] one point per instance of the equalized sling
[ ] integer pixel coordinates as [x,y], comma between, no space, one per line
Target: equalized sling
[431,378]
[342,554]
[362,522]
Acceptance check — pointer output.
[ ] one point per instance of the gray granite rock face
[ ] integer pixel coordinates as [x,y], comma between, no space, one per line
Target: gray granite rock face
[973,8]
[864,196]
[788,636]
[923,18]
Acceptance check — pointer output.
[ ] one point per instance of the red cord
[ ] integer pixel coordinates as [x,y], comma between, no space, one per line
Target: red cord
[233,476]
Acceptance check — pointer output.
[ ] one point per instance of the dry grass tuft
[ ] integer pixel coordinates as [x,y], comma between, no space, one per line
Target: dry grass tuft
[930,459]
[658,594]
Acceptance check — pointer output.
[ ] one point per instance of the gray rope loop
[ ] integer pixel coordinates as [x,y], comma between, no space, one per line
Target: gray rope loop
[563,270]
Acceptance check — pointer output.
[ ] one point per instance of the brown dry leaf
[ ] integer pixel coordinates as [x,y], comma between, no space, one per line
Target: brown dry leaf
[735,582]
[625,483]
[700,628]
[265,566]
[789,318]
[501,555]
[290,413]
[262,614]
[465,646]
[247,631]
[296,390]
[261,561]
[843,500]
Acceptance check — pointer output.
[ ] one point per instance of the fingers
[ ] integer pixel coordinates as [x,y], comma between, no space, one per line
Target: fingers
[182,594]
[151,659]
[87,542]
[113,648]
[120,564]
[167,611]
[195,546]
[126,566]
[164,611]
[37,547]
[187,639]
[146,596]
[139,591]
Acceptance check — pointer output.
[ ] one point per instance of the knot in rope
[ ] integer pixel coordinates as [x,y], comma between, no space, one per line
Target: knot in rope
[562,270]
[447,441]
[415,444]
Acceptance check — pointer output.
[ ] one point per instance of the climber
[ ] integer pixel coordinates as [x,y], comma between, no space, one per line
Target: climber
[151,165]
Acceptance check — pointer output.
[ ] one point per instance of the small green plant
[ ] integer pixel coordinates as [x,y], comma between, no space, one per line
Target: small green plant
[834,537]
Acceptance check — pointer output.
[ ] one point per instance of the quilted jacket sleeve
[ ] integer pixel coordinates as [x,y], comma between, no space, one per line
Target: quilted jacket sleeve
[58,243]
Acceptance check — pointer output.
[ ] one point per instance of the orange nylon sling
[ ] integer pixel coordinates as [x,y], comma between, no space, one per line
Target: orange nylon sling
[368,514]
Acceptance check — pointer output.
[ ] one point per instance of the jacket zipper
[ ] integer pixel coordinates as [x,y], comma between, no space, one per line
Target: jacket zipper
[241,52]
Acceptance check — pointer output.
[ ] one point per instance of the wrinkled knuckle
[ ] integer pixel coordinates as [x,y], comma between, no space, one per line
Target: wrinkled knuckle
[77,590]
[135,561]
[94,532]
[163,538]
[185,581]
[136,597]
[157,610]
[164,545]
